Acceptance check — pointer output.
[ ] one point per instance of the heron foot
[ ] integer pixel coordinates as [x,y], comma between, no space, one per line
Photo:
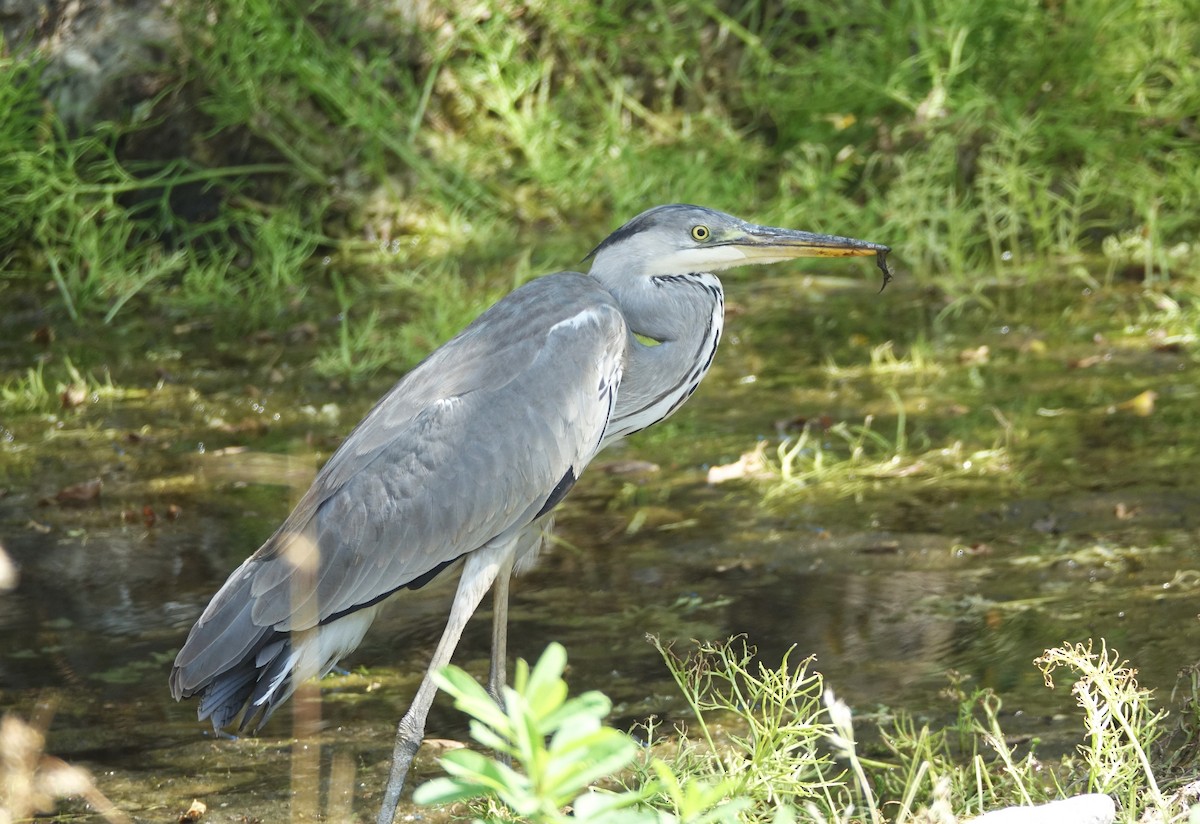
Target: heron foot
[409,733]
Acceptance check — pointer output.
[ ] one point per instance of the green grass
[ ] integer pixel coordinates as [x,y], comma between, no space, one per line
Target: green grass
[980,141]
[774,744]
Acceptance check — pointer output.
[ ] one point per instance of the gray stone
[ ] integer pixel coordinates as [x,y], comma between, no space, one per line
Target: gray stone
[103,58]
[1082,809]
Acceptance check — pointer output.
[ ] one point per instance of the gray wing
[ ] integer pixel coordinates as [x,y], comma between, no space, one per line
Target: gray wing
[474,443]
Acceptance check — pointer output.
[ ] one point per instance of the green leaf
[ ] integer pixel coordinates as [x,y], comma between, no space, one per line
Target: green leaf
[593,757]
[595,807]
[520,676]
[491,739]
[591,705]
[698,801]
[446,791]
[468,765]
[528,741]
[470,697]
[546,690]
[487,776]
[580,751]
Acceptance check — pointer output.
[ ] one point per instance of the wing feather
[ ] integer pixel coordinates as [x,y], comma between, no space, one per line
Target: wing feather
[468,447]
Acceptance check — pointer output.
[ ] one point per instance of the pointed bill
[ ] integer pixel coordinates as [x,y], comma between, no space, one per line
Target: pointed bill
[765,244]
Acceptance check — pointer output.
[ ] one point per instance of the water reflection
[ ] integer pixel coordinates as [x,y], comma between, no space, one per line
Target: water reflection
[101,609]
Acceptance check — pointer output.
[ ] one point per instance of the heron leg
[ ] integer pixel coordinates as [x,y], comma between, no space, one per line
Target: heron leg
[497,672]
[480,570]
[527,543]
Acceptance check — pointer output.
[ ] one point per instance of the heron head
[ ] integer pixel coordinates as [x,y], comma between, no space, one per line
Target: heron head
[679,239]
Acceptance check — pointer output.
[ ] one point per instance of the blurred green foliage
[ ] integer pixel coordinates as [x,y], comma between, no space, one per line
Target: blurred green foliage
[331,138]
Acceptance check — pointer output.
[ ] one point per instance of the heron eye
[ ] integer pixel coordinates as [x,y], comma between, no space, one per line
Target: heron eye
[700,233]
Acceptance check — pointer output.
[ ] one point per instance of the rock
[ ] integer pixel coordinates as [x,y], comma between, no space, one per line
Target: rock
[1082,809]
[104,59]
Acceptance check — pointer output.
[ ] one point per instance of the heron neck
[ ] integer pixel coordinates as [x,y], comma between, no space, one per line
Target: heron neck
[682,317]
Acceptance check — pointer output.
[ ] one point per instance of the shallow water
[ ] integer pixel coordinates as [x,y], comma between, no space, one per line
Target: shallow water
[1088,530]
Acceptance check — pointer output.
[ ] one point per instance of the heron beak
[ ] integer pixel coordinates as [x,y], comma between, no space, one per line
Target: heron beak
[764,244]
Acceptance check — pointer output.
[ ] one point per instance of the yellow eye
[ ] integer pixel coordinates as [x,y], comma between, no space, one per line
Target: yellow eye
[700,233]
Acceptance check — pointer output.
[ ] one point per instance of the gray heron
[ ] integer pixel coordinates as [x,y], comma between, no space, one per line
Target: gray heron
[465,458]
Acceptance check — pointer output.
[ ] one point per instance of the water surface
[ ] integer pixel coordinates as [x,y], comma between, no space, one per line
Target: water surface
[1081,525]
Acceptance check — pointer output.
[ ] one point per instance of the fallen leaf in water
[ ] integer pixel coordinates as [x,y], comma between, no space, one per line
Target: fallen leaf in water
[751,465]
[194,812]
[1141,404]
[739,565]
[79,494]
[1088,362]
[976,356]
[148,516]
[839,121]
[73,396]
[40,528]
[1124,512]
[227,450]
